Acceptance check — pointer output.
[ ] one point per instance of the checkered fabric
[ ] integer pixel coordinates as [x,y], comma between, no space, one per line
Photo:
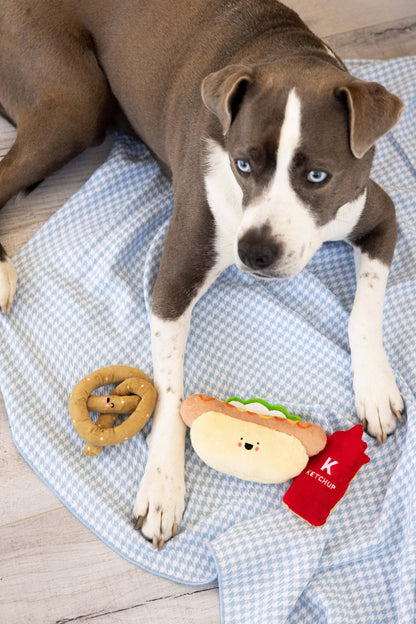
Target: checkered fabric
[85,283]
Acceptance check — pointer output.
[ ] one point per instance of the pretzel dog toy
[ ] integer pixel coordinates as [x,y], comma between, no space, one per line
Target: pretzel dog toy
[135,395]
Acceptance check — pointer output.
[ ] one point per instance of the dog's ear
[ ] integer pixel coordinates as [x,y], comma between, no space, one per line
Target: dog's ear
[372,112]
[223,91]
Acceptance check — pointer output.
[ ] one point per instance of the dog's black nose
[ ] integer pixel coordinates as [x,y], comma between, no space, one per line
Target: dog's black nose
[256,252]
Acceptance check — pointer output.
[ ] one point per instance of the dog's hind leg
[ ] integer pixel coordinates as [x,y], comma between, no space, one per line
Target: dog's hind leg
[8,281]
[49,136]
[61,126]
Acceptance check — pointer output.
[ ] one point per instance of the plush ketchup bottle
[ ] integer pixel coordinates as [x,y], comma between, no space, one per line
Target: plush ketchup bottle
[324,481]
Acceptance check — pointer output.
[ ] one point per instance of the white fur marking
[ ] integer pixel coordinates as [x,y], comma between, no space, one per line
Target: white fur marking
[8,283]
[289,141]
[162,490]
[376,392]
[289,217]
[345,220]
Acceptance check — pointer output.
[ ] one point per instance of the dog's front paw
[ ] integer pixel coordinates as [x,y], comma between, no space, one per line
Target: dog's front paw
[160,503]
[8,282]
[378,401]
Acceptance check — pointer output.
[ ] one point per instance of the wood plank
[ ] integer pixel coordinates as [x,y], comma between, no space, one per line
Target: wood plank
[200,607]
[383,41]
[56,570]
[329,18]
[22,493]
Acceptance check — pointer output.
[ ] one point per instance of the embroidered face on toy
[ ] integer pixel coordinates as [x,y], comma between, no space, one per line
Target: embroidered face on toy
[255,447]
[248,446]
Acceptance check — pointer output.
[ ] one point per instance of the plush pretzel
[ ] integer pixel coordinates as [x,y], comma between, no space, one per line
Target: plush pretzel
[135,395]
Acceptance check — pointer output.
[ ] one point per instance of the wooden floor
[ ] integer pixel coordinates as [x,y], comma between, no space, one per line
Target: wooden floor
[53,569]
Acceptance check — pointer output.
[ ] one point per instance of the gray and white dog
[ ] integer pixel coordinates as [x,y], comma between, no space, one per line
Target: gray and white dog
[269,143]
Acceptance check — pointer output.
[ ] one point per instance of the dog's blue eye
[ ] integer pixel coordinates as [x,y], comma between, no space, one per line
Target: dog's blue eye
[317,176]
[243,166]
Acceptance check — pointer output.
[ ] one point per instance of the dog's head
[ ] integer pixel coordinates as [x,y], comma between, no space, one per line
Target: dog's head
[298,144]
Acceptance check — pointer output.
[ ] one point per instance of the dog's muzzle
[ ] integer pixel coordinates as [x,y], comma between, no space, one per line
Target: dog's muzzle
[257,253]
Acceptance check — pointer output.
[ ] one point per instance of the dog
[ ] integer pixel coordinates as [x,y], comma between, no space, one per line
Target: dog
[269,143]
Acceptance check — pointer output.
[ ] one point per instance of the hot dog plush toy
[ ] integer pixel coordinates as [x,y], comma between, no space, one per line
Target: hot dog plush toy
[258,442]
[232,437]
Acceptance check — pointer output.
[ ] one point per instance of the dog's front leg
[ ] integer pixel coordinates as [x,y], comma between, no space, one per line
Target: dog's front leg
[160,502]
[378,400]
[189,266]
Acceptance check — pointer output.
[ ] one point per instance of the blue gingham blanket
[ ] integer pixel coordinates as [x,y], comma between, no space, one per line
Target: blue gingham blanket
[83,301]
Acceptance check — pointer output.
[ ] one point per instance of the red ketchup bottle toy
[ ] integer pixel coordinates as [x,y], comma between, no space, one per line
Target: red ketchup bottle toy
[315,492]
